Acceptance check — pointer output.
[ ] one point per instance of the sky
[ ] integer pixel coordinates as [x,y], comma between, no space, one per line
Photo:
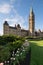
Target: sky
[17,12]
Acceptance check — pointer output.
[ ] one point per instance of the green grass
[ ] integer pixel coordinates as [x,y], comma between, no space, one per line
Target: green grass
[36,52]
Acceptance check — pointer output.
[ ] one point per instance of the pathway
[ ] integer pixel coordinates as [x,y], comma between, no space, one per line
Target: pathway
[27,60]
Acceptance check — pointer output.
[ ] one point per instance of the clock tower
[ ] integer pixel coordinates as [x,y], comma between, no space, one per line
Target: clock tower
[31,23]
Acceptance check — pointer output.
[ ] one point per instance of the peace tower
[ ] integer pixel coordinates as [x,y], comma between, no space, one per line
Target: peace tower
[31,23]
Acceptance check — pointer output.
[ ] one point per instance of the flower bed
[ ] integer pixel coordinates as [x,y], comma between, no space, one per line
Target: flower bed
[20,54]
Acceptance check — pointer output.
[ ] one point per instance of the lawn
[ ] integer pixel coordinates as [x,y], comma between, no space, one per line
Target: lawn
[36,52]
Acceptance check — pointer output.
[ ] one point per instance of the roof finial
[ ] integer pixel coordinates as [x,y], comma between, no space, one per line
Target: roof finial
[31,10]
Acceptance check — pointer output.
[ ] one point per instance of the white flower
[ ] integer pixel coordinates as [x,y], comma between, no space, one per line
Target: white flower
[5,61]
[8,61]
[20,53]
[13,58]
[13,52]
[23,50]
[18,49]
[17,54]
[25,40]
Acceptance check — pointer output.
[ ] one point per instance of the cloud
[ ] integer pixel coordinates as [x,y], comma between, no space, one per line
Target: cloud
[17,20]
[1,32]
[17,3]
[13,18]
[5,8]
[12,1]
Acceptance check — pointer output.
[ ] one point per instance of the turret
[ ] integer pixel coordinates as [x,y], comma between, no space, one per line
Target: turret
[18,30]
[5,28]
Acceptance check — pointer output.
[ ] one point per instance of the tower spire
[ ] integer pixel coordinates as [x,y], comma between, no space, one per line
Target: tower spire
[31,22]
[31,11]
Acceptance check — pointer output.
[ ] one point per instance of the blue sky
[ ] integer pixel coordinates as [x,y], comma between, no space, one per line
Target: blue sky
[17,11]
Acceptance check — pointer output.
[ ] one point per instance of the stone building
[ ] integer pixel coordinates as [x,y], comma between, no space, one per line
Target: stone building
[7,30]
[31,23]
[17,29]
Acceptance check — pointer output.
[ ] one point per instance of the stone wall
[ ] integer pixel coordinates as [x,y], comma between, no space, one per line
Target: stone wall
[14,30]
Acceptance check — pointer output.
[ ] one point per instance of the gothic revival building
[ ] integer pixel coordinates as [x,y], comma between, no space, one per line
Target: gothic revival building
[31,23]
[17,29]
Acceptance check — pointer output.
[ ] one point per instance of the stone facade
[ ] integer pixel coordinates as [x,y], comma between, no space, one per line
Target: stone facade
[7,30]
[14,30]
[17,29]
[31,23]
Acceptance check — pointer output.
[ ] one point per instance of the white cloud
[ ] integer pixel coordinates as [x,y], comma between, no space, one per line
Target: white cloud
[17,20]
[1,32]
[16,2]
[12,1]
[5,8]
